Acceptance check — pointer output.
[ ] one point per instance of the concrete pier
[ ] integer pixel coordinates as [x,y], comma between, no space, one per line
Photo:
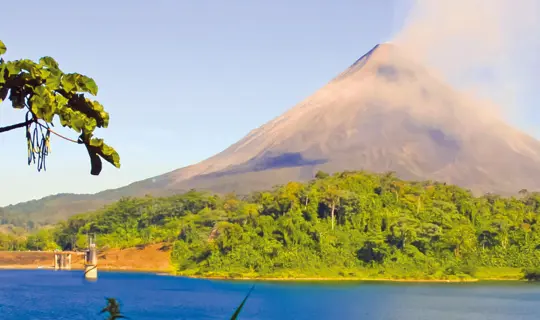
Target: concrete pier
[90,261]
[62,261]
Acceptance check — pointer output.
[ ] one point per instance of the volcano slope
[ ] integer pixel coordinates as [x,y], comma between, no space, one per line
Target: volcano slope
[386,112]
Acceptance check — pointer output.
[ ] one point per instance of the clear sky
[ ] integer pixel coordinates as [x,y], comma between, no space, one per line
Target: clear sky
[182,80]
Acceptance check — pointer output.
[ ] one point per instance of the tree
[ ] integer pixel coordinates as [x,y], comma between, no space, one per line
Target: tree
[42,240]
[331,197]
[321,175]
[44,91]
[276,234]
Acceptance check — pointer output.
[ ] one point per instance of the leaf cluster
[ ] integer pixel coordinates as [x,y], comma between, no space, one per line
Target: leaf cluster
[47,92]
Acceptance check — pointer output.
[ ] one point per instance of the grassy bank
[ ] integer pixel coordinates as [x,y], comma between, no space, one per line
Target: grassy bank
[154,259]
[482,274]
[502,273]
[257,278]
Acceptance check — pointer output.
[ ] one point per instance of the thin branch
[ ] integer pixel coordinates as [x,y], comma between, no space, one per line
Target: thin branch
[65,138]
[16,126]
[25,123]
[59,135]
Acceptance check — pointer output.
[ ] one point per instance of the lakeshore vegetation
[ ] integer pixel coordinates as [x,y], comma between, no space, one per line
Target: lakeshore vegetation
[346,225]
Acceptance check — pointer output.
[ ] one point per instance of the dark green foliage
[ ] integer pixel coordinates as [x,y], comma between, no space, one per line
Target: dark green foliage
[14,220]
[113,310]
[241,306]
[351,224]
[532,274]
[321,175]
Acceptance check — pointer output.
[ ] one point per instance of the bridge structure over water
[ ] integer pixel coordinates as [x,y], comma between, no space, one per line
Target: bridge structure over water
[62,260]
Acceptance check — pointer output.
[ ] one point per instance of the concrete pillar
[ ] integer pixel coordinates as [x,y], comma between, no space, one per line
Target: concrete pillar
[90,272]
[68,266]
[62,261]
[56,266]
[90,266]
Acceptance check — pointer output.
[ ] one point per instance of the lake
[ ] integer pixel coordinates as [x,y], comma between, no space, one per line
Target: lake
[46,294]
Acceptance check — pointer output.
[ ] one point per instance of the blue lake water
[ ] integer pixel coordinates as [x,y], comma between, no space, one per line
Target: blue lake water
[45,294]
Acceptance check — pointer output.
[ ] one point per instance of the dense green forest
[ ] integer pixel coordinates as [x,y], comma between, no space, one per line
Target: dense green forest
[350,224]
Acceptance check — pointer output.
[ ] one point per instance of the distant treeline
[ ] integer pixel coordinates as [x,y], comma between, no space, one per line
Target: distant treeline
[350,224]
[15,220]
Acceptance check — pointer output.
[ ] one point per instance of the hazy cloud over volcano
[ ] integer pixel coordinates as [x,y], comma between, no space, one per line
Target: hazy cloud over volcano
[489,46]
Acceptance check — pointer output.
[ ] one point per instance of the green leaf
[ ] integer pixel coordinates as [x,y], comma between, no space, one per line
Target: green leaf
[90,124]
[12,68]
[69,82]
[77,123]
[44,73]
[43,103]
[2,72]
[48,62]
[105,151]
[27,64]
[3,48]
[96,106]
[239,309]
[53,81]
[95,142]
[88,84]
[35,72]
[64,119]
[61,101]
[96,147]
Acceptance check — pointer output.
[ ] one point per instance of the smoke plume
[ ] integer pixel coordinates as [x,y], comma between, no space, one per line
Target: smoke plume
[490,47]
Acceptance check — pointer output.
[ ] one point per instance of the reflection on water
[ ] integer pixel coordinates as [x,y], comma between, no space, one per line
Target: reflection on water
[44,294]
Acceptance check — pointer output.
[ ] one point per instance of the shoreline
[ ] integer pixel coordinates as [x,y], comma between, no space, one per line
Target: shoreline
[346,279]
[102,269]
[269,279]
[330,279]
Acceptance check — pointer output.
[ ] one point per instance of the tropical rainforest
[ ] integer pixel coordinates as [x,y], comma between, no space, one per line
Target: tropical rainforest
[349,224]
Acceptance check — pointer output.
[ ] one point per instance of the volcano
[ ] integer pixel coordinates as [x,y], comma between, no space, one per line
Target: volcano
[386,112]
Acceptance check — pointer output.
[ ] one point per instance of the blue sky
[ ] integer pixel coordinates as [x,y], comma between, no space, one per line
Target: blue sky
[182,80]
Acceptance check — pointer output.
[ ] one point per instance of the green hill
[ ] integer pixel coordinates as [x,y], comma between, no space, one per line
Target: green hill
[351,224]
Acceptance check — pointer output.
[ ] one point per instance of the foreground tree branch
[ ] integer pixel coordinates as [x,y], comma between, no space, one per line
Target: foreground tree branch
[16,126]
[46,92]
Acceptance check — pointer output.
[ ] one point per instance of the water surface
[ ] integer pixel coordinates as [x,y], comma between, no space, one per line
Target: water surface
[45,294]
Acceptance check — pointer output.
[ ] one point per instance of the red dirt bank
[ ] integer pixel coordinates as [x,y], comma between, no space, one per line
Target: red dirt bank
[150,258]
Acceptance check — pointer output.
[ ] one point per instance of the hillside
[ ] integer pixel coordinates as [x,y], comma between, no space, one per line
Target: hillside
[351,225]
[386,112]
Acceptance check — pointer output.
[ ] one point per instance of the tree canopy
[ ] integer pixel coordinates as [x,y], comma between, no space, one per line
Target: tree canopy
[44,91]
[351,224]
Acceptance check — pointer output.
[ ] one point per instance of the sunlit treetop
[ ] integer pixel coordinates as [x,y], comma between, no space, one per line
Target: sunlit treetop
[45,93]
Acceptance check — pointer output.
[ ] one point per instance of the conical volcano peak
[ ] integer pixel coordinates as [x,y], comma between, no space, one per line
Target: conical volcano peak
[385,57]
[382,52]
